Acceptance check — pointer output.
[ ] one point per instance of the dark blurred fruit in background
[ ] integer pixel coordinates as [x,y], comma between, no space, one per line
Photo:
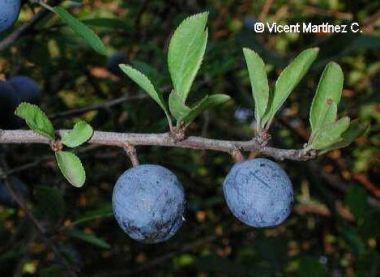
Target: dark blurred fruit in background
[12,92]
[113,62]
[27,89]
[9,11]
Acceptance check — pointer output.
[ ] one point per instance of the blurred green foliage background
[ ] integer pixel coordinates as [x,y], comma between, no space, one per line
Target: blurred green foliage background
[334,229]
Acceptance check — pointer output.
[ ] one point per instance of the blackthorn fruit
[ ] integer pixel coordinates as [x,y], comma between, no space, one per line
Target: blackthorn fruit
[259,192]
[8,104]
[26,88]
[9,10]
[148,202]
[113,62]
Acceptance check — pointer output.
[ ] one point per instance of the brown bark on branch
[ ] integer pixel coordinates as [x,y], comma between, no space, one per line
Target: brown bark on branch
[164,139]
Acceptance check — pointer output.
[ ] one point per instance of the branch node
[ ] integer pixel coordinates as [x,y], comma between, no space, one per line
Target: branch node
[177,134]
[262,138]
[56,145]
[237,155]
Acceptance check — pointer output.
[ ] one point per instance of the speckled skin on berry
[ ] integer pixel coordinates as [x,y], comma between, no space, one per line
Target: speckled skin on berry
[9,10]
[148,203]
[259,192]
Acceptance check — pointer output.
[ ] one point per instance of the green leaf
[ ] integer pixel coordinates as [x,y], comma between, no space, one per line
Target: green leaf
[329,88]
[71,167]
[288,80]
[177,108]
[107,22]
[259,82]
[81,133]
[330,134]
[206,103]
[328,118]
[355,130]
[91,239]
[102,212]
[36,119]
[82,30]
[50,202]
[356,199]
[186,51]
[143,81]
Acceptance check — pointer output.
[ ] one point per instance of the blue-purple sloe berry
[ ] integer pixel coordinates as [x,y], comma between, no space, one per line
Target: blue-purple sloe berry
[9,11]
[148,203]
[258,192]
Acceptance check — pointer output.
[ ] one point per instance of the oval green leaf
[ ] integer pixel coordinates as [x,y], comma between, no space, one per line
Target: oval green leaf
[144,82]
[259,82]
[288,80]
[82,30]
[36,119]
[186,51]
[206,103]
[71,168]
[81,133]
[329,88]
[330,134]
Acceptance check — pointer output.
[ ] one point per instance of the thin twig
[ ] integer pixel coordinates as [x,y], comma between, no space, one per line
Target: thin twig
[164,139]
[100,106]
[21,203]
[24,29]
[265,9]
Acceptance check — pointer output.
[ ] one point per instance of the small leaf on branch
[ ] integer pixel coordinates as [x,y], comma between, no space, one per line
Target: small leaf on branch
[71,168]
[186,51]
[330,134]
[81,29]
[177,108]
[288,80]
[329,117]
[81,133]
[259,82]
[329,88]
[355,130]
[36,119]
[144,82]
[206,103]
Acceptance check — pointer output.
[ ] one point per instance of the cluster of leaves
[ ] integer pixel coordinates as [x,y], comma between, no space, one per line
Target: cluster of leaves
[186,51]
[69,163]
[185,55]
[327,133]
